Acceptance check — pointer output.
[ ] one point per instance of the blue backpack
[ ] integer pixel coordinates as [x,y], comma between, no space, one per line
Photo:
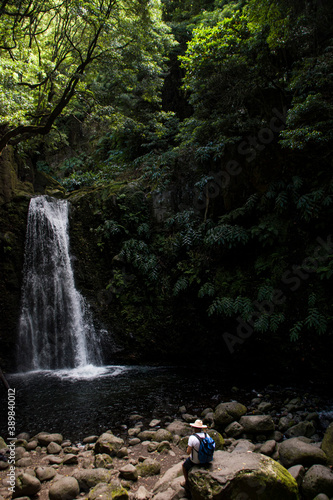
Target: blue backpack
[206,448]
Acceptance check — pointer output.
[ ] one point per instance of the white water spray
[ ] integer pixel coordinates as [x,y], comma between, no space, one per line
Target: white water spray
[55,328]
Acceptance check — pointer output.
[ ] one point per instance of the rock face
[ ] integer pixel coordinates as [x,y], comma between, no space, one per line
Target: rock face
[235,474]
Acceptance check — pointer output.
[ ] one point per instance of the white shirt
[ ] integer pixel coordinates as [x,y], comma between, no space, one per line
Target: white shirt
[194,443]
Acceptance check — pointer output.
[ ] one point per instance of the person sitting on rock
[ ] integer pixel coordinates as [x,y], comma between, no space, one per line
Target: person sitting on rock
[193,449]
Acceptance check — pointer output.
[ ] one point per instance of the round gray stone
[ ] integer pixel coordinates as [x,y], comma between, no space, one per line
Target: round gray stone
[66,488]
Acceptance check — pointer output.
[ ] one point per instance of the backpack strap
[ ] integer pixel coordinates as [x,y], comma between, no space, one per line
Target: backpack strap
[200,438]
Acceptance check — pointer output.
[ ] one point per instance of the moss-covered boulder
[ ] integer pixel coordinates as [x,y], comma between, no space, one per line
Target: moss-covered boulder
[225,413]
[327,444]
[26,485]
[2,443]
[218,438]
[147,436]
[148,467]
[236,475]
[108,443]
[163,435]
[89,478]
[111,491]
[103,461]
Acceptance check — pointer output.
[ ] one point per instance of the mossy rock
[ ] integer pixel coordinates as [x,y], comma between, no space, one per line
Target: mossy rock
[327,444]
[109,444]
[225,413]
[113,490]
[149,467]
[234,475]
[2,443]
[103,460]
[218,438]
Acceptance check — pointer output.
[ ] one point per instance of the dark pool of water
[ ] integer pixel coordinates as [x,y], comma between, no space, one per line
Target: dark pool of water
[78,403]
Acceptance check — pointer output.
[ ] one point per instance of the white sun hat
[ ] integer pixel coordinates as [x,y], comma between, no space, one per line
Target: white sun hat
[198,425]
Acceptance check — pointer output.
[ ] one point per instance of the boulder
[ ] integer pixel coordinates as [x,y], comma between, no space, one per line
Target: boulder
[123,452]
[163,435]
[149,467]
[147,435]
[32,445]
[234,429]
[88,478]
[142,494]
[90,439]
[294,451]
[65,488]
[298,472]
[2,444]
[108,443]
[71,449]
[180,428]
[327,444]
[285,423]
[306,429]
[26,485]
[163,447]
[24,462]
[103,460]
[113,490]
[321,496]
[219,441]
[233,476]
[154,423]
[268,447]
[318,479]
[133,441]
[264,406]
[128,472]
[44,438]
[45,473]
[23,435]
[225,413]
[168,478]
[70,459]
[133,431]
[243,446]
[53,459]
[152,446]
[257,424]
[54,448]
[20,452]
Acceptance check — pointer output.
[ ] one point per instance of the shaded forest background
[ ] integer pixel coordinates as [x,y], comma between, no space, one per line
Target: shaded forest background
[194,142]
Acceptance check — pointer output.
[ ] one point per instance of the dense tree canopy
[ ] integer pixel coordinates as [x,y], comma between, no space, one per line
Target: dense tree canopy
[49,47]
[223,106]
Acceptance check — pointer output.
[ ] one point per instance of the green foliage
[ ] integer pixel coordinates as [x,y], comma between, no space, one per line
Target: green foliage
[138,254]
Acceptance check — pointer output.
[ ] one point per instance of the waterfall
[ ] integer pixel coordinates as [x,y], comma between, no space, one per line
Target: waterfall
[55,327]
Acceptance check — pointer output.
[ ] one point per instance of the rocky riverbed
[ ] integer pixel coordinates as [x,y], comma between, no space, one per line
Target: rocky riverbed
[268,450]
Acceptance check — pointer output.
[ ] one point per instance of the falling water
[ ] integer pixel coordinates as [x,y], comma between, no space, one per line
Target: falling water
[55,328]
